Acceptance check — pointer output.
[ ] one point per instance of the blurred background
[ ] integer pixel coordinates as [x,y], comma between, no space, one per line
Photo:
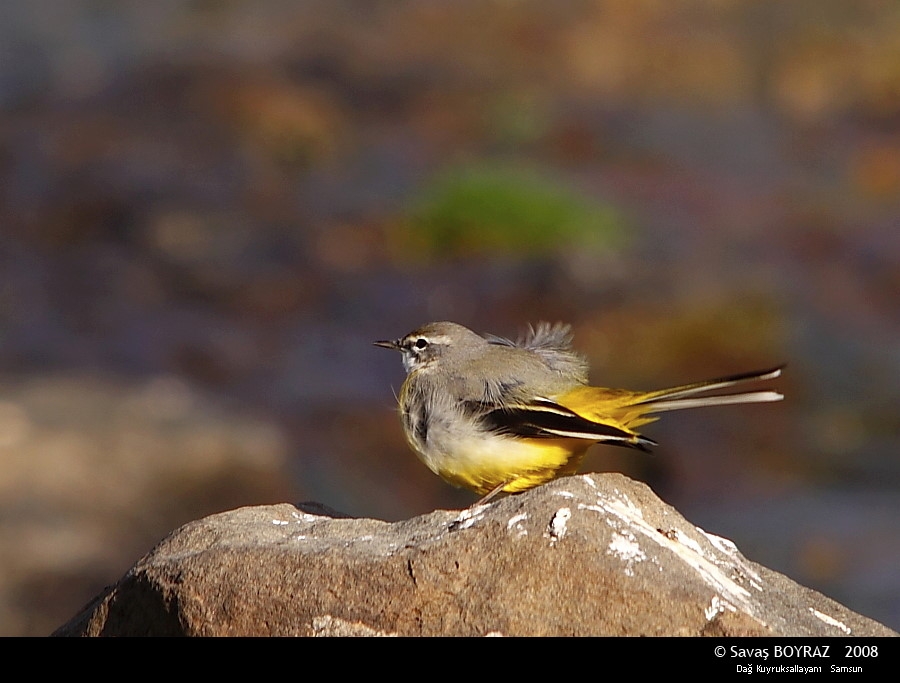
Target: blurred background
[209,210]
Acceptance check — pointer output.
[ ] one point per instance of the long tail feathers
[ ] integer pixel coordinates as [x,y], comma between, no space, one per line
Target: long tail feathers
[610,416]
[678,398]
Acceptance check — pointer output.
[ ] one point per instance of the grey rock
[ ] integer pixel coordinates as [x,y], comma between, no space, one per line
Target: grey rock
[595,554]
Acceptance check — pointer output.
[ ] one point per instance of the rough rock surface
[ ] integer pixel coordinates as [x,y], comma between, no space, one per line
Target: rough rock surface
[596,554]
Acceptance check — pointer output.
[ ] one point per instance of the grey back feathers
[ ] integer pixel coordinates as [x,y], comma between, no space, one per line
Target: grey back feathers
[453,359]
[552,343]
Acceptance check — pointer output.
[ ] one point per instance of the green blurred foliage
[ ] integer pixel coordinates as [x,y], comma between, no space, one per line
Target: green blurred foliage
[495,208]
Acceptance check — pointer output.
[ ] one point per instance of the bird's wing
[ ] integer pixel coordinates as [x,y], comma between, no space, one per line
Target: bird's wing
[543,418]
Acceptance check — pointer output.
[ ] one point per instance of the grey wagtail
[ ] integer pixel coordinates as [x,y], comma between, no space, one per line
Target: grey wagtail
[490,414]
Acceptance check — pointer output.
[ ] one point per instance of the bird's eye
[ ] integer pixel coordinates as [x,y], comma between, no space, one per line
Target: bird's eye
[421,343]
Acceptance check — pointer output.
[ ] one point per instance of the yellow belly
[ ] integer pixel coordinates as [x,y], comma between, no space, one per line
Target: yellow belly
[483,464]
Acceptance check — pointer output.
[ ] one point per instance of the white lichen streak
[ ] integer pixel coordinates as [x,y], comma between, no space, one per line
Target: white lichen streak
[279,522]
[708,570]
[625,547]
[716,607]
[556,529]
[470,516]
[831,621]
[516,521]
[305,517]
[723,544]
[687,541]
[729,549]
[564,494]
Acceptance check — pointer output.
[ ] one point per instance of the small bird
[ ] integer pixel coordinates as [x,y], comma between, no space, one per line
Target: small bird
[490,414]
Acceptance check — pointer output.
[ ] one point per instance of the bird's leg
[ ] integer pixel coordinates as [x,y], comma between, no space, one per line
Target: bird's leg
[466,513]
[490,494]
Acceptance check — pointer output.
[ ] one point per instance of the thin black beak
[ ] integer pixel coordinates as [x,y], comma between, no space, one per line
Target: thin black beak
[395,345]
